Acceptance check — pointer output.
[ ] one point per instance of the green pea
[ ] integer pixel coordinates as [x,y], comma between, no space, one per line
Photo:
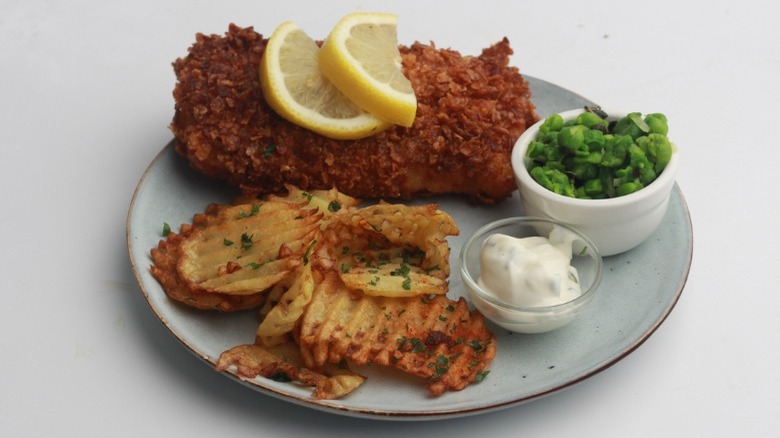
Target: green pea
[551,123]
[594,139]
[582,171]
[663,156]
[647,174]
[637,157]
[550,138]
[658,149]
[615,150]
[572,137]
[554,153]
[633,125]
[562,183]
[588,157]
[657,123]
[540,176]
[627,187]
[554,180]
[535,149]
[580,193]
[589,120]
[625,172]
[594,187]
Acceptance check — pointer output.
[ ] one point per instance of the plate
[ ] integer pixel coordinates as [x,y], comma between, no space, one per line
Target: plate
[638,291]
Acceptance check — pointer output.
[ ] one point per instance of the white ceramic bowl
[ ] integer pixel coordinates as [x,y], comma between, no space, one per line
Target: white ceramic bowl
[616,224]
[585,258]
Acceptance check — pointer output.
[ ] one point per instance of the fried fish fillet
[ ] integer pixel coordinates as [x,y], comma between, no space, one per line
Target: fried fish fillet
[471,110]
[435,338]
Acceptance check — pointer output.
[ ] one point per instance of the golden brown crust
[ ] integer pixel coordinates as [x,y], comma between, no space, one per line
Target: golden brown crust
[470,112]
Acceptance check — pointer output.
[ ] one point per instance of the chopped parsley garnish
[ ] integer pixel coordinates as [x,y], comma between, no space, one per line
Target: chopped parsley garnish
[407,284]
[481,375]
[441,366]
[308,252]
[269,150]
[253,212]
[413,345]
[417,345]
[334,206]
[476,345]
[246,241]
[402,270]
[227,242]
[307,195]
[344,268]
[166,229]
[254,265]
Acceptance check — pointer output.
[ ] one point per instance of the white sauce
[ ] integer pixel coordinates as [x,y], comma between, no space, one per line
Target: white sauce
[530,271]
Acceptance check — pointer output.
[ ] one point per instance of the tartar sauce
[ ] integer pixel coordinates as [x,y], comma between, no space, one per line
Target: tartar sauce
[530,271]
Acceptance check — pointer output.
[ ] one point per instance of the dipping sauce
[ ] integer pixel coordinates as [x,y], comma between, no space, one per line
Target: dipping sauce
[531,271]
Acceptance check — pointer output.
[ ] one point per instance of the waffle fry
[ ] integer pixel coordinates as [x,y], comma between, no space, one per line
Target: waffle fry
[284,363]
[249,248]
[436,338]
[334,284]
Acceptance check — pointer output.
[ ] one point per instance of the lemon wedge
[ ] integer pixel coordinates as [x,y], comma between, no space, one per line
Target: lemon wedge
[361,57]
[293,86]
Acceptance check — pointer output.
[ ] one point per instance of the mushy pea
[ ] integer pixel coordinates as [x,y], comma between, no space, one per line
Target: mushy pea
[589,157]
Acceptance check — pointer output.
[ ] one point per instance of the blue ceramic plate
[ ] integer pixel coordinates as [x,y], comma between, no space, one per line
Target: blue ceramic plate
[638,291]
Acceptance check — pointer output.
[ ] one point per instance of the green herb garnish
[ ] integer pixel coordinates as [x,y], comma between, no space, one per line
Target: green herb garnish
[246,241]
[269,150]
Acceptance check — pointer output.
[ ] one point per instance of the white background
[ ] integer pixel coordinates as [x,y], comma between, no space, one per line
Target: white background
[85,100]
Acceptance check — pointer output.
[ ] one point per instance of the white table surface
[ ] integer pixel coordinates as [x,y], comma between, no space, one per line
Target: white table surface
[85,102]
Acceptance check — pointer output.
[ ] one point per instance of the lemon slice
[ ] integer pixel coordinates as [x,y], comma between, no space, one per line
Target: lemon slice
[361,57]
[294,87]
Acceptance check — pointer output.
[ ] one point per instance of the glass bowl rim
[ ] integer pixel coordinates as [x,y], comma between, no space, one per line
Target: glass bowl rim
[472,285]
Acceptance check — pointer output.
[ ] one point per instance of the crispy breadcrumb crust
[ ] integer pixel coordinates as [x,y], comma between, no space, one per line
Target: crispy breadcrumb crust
[471,110]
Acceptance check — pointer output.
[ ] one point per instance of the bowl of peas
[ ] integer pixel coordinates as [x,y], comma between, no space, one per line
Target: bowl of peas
[608,174]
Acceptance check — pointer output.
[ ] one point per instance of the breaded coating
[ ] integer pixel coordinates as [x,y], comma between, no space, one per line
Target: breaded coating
[470,112]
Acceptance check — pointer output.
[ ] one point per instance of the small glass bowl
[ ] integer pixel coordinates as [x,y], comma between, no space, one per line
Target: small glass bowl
[585,258]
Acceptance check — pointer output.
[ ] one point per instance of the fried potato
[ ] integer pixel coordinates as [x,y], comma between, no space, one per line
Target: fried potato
[166,257]
[281,319]
[249,248]
[284,363]
[376,249]
[335,284]
[392,280]
[434,338]
[329,202]
[423,227]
